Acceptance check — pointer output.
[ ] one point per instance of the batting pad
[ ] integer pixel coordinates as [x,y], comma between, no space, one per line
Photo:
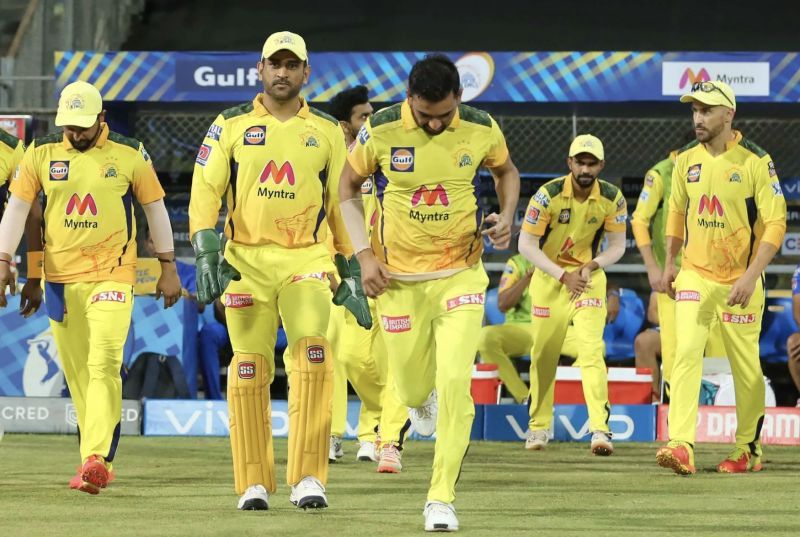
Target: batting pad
[310,400]
[250,422]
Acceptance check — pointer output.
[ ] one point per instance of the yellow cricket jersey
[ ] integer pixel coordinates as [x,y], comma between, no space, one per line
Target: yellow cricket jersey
[89,227]
[723,207]
[11,151]
[571,231]
[280,179]
[426,187]
[652,206]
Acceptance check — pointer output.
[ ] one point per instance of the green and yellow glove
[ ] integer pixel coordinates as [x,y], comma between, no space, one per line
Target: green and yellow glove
[350,292]
[213,272]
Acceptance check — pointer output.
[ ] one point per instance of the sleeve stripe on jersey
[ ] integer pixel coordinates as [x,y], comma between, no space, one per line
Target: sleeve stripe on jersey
[234,167]
[752,215]
[127,203]
[323,178]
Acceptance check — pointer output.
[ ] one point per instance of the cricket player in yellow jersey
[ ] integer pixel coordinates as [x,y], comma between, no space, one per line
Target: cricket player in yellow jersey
[89,176]
[277,162]
[728,212]
[11,152]
[360,353]
[424,260]
[561,234]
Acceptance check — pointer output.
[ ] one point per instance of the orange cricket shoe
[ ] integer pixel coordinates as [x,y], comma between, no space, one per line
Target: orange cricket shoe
[92,476]
[740,461]
[677,456]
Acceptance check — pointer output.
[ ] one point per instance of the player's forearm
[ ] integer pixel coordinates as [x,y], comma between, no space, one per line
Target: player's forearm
[674,245]
[160,227]
[641,233]
[507,187]
[763,257]
[12,226]
[351,208]
[529,247]
[647,256]
[510,297]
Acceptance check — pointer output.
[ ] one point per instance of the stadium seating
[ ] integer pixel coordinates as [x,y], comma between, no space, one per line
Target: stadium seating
[777,325]
[620,334]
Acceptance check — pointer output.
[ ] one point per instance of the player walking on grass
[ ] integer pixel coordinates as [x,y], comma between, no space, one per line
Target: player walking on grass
[423,261]
[277,162]
[564,224]
[361,355]
[89,176]
[728,214]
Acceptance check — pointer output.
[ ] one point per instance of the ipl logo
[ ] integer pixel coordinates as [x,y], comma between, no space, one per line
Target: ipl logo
[42,375]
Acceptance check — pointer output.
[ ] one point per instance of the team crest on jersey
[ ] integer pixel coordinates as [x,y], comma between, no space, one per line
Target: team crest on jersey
[59,170]
[256,135]
[402,159]
[734,176]
[564,217]
[315,354]
[214,132]
[309,140]
[202,154]
[246,370]
[532,216]
[463,158]
[693,175]
[109,171]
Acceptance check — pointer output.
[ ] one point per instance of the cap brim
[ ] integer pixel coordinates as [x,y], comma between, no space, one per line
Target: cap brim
[708,99]
[65,119]
[302,56]
[585,152]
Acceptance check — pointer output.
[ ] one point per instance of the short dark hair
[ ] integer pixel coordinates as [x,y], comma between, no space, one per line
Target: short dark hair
[343,102]
[434,78]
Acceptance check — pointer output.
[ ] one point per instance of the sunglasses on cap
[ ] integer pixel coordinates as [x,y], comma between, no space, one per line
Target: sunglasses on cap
[708,87]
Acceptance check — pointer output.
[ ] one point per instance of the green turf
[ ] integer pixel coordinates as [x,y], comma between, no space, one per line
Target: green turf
[183,486]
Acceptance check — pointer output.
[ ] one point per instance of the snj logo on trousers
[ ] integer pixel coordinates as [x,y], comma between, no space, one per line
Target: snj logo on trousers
[81,205]
[315,354]
[402,159]
[59,170]
[323,276]
[465,300]
[238,300]
[430,197]
[541,312]
[738,318]
[589,303]
[109,296]
[247,370]
[398,324]
[687,296]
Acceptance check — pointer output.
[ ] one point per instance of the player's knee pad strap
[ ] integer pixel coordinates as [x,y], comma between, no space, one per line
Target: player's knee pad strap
[310,399]
[249,408]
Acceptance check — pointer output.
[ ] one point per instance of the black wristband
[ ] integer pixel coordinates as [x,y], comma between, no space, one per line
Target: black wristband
[165,260]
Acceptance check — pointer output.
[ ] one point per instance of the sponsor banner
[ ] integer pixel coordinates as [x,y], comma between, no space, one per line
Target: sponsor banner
[718,424]
[791,244]
[791,188]
[628,423]
[57,415]
[566,76]
[16,125]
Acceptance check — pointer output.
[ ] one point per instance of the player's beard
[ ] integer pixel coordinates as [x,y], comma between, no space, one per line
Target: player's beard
[585,181]
[432,132]
[706,135]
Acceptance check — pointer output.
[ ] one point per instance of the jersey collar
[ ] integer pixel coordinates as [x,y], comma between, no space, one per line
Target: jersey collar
[101,140]
[261,110]
[567,190]
[409,123]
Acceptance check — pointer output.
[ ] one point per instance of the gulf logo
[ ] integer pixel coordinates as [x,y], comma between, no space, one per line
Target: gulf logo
[402,159]
[59,170]
[255,136]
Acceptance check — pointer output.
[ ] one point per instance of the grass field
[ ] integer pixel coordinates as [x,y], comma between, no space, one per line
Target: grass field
[183,486]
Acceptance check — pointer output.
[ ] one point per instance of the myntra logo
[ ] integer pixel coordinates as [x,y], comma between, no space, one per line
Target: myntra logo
[82,205]
[689,78]
[712,205]
[430,197]
[277,174]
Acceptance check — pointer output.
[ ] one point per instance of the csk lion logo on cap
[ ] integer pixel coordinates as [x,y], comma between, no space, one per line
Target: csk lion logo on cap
[74,102]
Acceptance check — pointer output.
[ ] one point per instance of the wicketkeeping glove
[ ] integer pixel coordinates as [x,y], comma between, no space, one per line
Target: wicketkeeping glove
[350,292]
[213,272]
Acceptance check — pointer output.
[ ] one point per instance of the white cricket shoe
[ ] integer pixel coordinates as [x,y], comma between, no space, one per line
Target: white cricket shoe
[601,443]
[367,452]
[255,498]
[440,516]
[336,452]
[424,418]
[309,494]
[536,440]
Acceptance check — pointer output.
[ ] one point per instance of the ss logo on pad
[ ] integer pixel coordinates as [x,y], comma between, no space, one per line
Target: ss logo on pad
[247,370]
[316,354]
